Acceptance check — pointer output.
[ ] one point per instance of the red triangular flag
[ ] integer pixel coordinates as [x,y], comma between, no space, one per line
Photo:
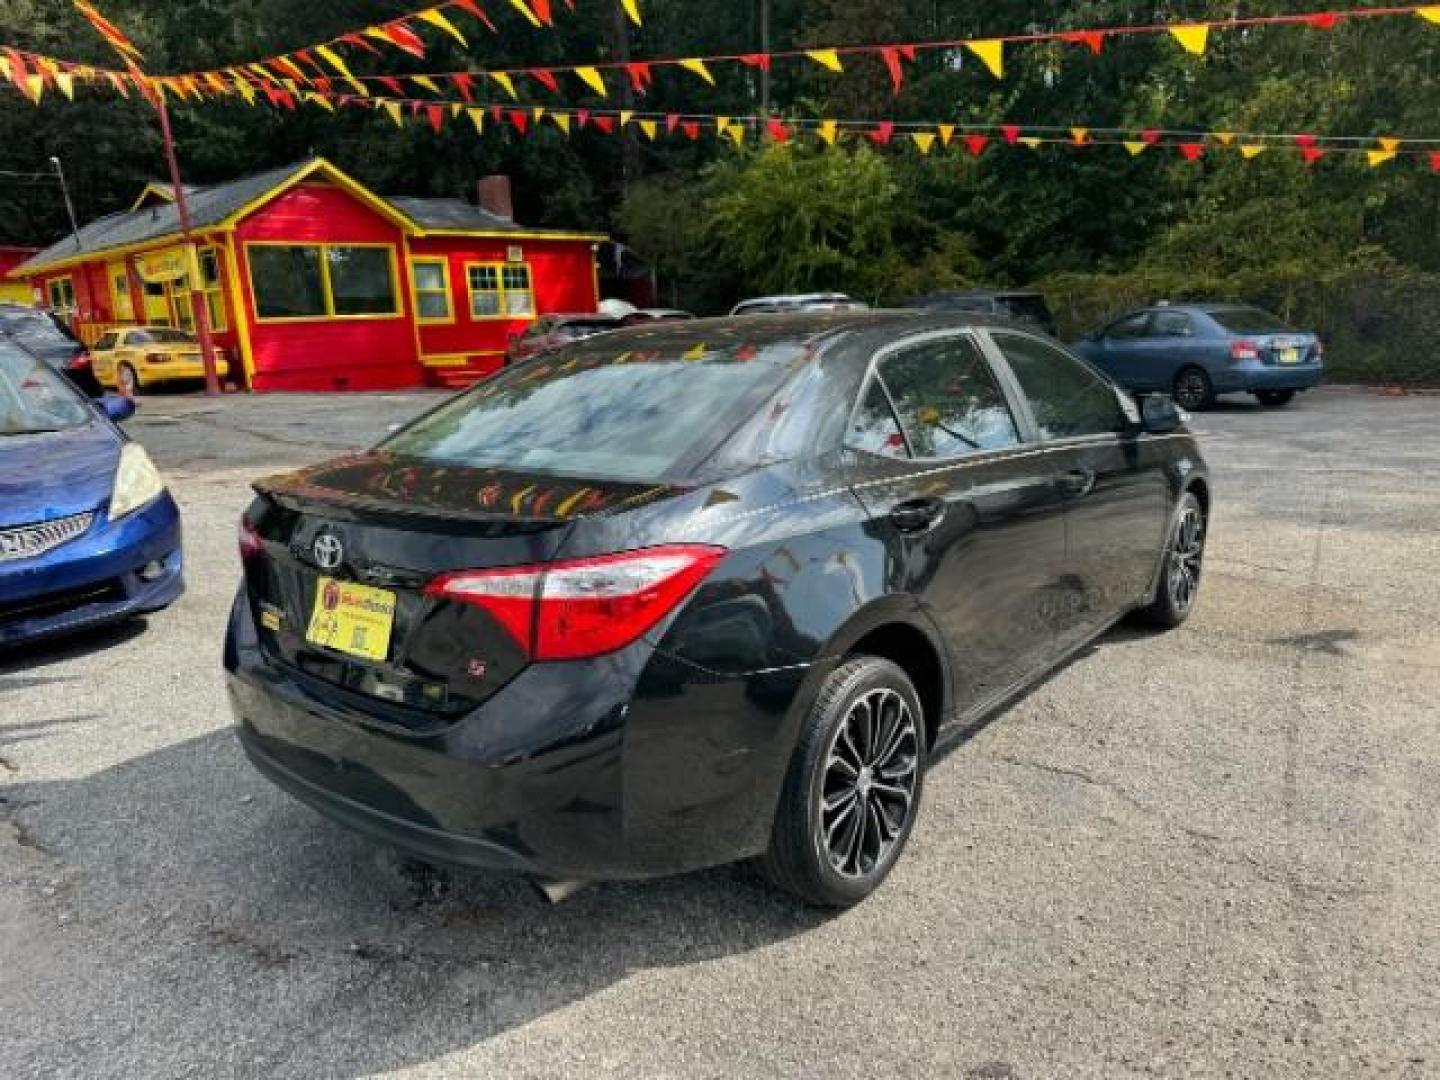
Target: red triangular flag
[546,79]
[1094,40]
[465,83]
[1012,133]
[1150,136]
[756,60]
[360,43]
[672,121]
[1191,151]
[519,119]
[1435,161]
[640,76]
[582,117]
[605,124]
[475,10]
[691,129]
[1305,141]
[402,37]
[436,115]
[392,84]
[1322,20]
[542,11]
[778,131]
[891,58]
[1311,154]
[977,144]
[883,130]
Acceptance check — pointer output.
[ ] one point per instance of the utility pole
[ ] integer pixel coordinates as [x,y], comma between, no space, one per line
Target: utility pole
[765,68]
[198,307]
[69,206]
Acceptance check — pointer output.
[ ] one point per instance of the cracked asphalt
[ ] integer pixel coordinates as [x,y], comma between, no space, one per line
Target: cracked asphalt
[1211,853]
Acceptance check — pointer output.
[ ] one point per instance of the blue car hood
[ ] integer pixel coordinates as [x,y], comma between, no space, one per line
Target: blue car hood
[56,474]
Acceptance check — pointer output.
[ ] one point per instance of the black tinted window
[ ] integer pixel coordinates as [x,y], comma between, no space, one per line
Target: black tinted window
[107,341]
[948,400]
[876,429]
[1066,398]
[603,411]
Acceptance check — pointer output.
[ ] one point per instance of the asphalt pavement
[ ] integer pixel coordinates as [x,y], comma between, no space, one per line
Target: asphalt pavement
[1211,853]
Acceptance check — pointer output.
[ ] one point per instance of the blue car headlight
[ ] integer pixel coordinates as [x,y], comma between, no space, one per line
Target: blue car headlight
[137,482]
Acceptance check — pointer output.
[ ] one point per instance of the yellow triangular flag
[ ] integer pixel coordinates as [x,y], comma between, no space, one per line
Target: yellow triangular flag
[947,132]
[506,83]
[66,82]
[1079,136]
[650,128]
[1379,157]
[1136,148]
[592,78]
[826,58]
[1389,143]
[331,57]
[632,8]
[524,9]
[828,131]
[323,102]
[699,68]
[626,115]
[1031,141]
[737,133]
[562,121]
[435,17]
[538,112]
[392,110]
[1429,14]
[477,117]
[242,84]
[1225,138]
[924,140]
[427,82]
[1192,38]
[721,124]
[456,109]
[1251,150]
[34,88]
[991,54]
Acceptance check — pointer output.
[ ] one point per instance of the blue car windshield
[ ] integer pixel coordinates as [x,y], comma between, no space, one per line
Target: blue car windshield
[34,399]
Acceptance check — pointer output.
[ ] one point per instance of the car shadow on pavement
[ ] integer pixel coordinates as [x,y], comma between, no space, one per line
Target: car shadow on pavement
[223,918]
[26,657]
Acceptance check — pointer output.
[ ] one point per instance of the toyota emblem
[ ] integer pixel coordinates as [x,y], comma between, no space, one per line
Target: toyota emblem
[328,551]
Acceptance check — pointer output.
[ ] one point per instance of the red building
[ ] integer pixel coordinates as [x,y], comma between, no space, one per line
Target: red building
[313,282]
[14,292]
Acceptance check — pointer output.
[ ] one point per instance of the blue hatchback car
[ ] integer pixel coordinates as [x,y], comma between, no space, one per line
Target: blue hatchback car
[88,532]
[1197,351]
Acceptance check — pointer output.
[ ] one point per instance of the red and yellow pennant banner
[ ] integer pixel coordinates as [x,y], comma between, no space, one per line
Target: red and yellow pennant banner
[991,53]
[34,73]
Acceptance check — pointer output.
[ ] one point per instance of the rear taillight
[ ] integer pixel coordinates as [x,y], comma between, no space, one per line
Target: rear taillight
[1319,349]
[583,607]
[251,545]
[1244,350]
[79,361]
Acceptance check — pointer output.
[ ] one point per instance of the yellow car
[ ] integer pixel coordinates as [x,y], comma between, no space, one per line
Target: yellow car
[138,356]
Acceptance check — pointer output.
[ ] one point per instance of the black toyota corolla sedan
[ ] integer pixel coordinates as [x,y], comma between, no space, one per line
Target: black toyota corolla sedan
[695,592]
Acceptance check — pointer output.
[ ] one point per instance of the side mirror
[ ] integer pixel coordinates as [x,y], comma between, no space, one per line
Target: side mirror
[1159,415]
[117,409]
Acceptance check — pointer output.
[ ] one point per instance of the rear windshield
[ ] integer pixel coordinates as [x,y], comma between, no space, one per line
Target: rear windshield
[1248,321]
[160,337]
[33,398]
[595,410]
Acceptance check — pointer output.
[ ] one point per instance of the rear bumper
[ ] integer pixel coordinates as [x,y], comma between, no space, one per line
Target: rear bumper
[633,766]
[179,369]
[95,579]
[1254,375]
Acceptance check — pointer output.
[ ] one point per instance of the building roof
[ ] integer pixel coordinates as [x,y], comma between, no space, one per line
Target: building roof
[156,219]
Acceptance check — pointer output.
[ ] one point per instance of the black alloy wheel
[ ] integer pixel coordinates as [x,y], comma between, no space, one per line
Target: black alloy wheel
[1184,562]
[1193,390]
[853,788]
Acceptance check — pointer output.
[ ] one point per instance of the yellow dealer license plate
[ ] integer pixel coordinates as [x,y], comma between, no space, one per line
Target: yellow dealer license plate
[1289,356]
[350,618]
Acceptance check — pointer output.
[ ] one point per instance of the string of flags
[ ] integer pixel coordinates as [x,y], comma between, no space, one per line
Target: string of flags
[992,53]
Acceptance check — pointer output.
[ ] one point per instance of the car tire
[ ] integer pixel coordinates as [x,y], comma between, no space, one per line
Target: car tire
[1193,390]
[1179,585]
[1275,399]
[853,788]
[126,381]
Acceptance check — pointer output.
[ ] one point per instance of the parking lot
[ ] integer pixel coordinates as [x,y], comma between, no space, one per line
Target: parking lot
[1212,853]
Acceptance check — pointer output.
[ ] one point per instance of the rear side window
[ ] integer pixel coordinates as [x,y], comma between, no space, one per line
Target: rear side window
[1172,324]
[946,400]
[601,411]
[1065,396]
[1131,326]
[107,341]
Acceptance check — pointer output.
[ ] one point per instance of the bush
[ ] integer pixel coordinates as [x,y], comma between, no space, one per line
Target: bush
[1380,324]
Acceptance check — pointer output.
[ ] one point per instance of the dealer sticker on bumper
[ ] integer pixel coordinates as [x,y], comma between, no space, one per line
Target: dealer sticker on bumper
[350,618]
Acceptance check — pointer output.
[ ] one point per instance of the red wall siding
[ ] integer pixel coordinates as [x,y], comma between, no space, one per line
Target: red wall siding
[561,272]
[328,354]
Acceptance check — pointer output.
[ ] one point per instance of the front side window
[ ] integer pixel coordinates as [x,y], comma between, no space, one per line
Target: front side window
[1067,399]
[1130,327]
[431,278]
[946,399]
[287,282]
[34,399]
[500,291]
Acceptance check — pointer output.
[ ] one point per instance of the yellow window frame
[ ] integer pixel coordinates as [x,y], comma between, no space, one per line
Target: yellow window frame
[213,292]
[122,299]
[326,292]
[501,292]
[444,263]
